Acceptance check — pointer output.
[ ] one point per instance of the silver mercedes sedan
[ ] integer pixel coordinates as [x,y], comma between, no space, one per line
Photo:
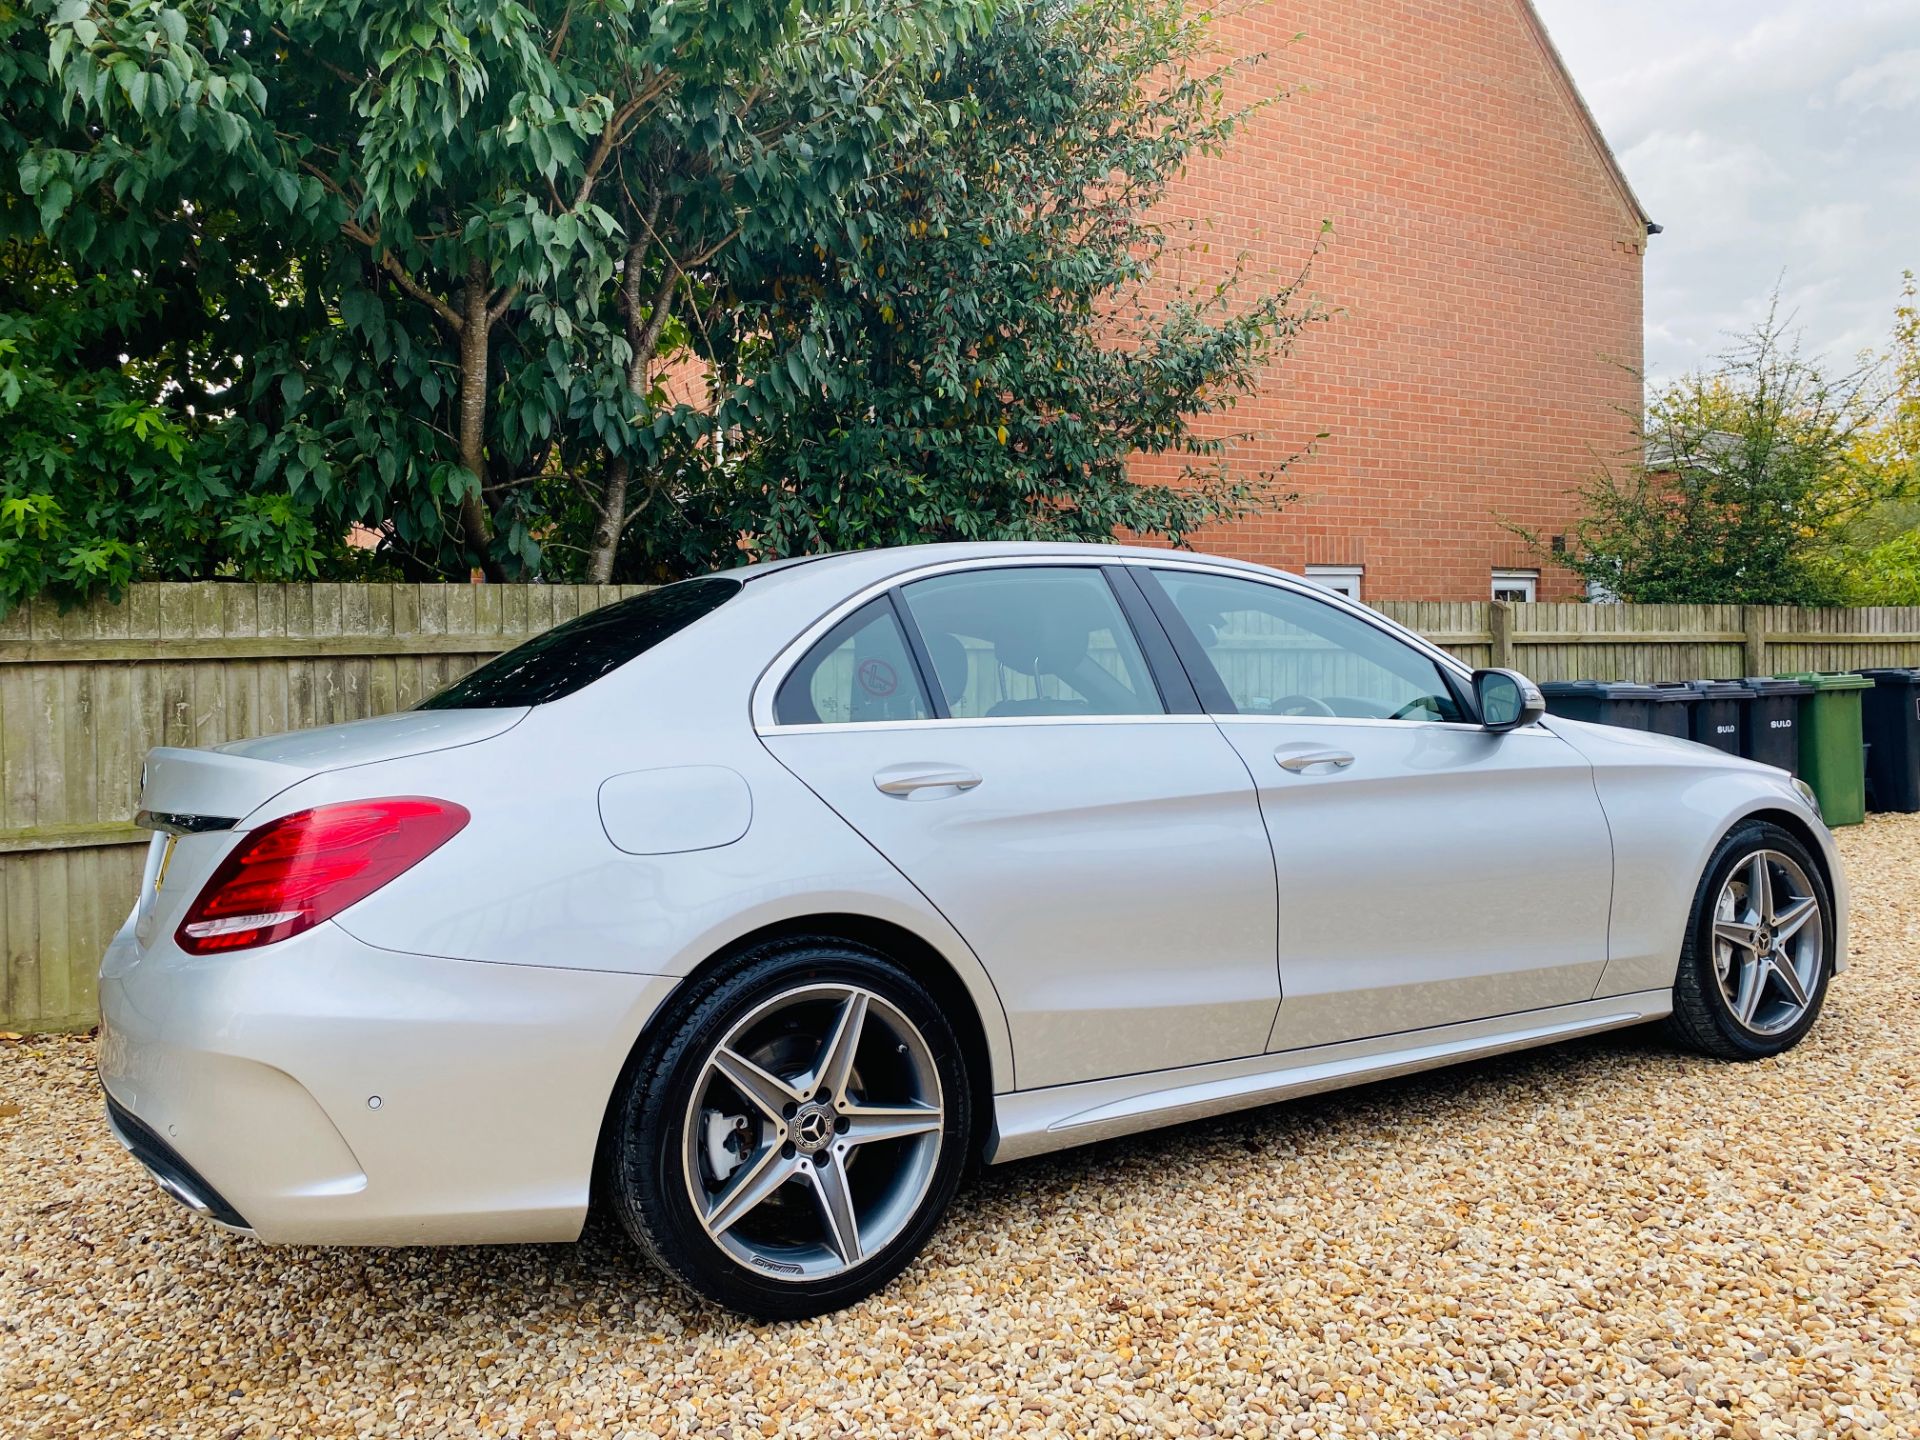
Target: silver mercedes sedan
[759,908]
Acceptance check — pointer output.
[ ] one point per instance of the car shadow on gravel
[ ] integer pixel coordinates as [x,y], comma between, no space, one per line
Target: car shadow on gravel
[1494,1087]
[601,1285]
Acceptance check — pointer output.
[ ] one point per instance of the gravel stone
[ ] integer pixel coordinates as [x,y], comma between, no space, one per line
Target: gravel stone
[1607,1238]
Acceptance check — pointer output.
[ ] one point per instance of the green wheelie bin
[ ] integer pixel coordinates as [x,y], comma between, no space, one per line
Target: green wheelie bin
[1833,755]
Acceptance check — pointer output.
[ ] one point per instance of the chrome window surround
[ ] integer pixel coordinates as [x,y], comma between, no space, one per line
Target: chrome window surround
[770,679]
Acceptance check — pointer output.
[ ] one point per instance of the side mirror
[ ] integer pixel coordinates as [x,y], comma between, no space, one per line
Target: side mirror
[1507,700]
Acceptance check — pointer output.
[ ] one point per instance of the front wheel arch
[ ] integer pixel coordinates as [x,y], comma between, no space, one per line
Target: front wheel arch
[1703,1018]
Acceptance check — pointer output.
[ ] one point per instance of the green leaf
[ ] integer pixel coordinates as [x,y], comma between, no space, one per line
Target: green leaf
[55,197]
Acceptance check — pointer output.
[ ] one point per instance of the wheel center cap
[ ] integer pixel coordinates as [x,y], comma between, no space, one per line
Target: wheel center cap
[812,1128]
[1764,940]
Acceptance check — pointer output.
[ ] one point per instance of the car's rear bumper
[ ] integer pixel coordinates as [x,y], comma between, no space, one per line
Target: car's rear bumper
[324,1091]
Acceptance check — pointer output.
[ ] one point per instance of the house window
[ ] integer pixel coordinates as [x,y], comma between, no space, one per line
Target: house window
[1517,587]
[1341,579]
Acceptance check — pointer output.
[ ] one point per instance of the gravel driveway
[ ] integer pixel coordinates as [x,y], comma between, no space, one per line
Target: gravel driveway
[1607,1238]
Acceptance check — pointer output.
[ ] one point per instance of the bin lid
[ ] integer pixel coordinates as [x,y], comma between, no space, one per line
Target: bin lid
[1673,690]
[1599,690]
[1776,685]
[1891,676]
[1820,680]
[1721,689]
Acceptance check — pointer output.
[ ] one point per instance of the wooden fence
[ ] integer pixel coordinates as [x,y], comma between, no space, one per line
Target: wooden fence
[83,696]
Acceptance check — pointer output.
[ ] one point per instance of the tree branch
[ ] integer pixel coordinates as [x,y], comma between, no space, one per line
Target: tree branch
[451,317]
[502,301]
[560,35]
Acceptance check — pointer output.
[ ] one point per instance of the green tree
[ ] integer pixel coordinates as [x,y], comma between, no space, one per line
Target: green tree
[1877,551]
[444,268]
[979,355]
[1741,477]
[451,186]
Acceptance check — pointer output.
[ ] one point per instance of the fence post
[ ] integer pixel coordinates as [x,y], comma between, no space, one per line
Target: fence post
[1755,617]
[1500,627]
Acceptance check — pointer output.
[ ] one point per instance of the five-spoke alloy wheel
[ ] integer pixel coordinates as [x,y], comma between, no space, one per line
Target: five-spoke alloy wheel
[813,1131]
[1768,942]
[787,1146]
[1759,952]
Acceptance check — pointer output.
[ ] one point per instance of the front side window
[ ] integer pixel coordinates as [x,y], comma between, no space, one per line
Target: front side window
[1277,652]
[1033,640]
[860,672]
[574,655]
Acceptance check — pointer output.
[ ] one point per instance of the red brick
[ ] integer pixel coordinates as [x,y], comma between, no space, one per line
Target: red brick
[1486,267]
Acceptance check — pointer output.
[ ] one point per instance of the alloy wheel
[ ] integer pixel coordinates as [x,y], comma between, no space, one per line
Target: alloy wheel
[813,1132]
[1769,942]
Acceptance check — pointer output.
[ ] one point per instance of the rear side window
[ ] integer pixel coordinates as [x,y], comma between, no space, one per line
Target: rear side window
[860,671]
[1031,640]
[574,655]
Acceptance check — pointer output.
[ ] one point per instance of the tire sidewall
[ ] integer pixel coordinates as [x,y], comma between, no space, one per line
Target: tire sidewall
[647,1170]
[1740,844]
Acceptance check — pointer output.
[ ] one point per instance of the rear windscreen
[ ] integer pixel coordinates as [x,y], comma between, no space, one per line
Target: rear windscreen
[579,652]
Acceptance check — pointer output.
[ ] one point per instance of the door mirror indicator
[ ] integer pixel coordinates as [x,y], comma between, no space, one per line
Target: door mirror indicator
[1507,700]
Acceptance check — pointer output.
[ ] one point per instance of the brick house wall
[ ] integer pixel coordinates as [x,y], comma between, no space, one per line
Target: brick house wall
[1485,271]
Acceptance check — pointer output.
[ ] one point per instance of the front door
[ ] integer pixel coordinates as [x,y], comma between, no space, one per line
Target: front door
[1429,872]
[1105,859]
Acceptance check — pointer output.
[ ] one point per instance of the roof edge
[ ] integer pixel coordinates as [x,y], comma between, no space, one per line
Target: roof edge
[1558,63]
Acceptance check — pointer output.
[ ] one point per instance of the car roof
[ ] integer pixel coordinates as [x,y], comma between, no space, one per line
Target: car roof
[859,567]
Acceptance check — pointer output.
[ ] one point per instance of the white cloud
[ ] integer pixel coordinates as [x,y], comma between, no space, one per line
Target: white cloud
[1891,82]
[1775,141]
[1726,183]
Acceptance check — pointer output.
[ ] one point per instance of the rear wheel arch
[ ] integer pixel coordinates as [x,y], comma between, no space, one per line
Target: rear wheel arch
[914,953]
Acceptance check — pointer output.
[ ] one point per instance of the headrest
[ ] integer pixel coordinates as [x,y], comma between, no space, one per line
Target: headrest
[1049,643]
[951,667]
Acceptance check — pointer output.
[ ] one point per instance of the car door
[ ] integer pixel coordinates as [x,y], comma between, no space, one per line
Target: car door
[1096,842]
[1428,871]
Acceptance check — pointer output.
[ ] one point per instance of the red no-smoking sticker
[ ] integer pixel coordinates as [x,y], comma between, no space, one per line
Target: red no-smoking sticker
[877,677]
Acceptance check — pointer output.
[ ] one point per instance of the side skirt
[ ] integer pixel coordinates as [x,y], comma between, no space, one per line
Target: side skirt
[1032,1122]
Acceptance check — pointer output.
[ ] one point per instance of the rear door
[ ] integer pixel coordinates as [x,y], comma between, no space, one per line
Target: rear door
[997,733]
[1429,871]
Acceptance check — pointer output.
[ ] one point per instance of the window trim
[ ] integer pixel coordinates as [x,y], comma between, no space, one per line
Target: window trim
[907,638]
[1213,691]
[922,658]
[1170,677]
[1316,574]
[1529,580]
[761,712]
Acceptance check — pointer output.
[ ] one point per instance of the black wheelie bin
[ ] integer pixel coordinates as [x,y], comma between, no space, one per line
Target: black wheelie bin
[1890,720]
[1719,714]
[1772,734]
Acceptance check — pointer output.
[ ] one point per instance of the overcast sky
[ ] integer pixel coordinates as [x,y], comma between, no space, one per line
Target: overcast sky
[1775,139]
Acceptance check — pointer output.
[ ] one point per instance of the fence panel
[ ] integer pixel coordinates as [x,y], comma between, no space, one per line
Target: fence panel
[84,696]
[1629,642]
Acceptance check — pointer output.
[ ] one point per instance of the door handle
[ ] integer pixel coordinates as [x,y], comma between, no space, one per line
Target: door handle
[1313,762]
[918,781]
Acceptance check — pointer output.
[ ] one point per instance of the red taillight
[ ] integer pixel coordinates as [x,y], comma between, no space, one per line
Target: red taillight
[296,871]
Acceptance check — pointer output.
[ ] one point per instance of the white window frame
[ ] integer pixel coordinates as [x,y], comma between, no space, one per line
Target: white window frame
[1340,579]
[1527,582]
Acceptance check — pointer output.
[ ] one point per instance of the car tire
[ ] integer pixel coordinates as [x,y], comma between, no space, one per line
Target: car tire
[1780,983]
[746,1084]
